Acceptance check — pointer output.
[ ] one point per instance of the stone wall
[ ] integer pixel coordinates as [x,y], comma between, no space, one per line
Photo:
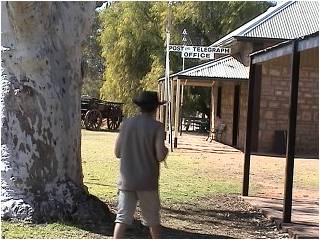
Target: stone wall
[274,104]
[227,101]
[243,114]
[227,111]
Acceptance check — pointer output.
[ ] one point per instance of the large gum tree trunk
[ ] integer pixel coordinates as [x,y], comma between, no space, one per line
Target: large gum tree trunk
[41,174]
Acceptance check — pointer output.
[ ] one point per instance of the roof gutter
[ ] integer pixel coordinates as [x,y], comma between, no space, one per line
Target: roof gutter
[186,77]
[285,48]
[260,39]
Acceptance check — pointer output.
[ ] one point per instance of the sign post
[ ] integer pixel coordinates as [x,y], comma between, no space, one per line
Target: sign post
[184,41]
[168,85]
[201,52]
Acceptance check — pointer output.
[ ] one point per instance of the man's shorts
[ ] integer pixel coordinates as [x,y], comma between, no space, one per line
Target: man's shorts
[149,203]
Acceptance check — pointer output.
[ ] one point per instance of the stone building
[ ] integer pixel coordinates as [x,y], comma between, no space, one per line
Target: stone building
[230,94]
[274,102]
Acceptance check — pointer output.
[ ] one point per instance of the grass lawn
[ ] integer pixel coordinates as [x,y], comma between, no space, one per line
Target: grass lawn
[185,178]
[189,177]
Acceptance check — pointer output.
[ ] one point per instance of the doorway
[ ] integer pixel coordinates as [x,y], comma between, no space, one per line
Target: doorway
[236,111]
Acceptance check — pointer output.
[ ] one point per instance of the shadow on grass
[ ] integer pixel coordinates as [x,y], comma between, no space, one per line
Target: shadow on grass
[218,151]
[138,231]
[105,226]
[101,184]
[108,130]
[311,156]
[239,220]
[101,130]
[202,216]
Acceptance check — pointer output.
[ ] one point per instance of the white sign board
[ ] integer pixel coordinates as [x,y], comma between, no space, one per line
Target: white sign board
[197,55]
[176,48]
[199,49]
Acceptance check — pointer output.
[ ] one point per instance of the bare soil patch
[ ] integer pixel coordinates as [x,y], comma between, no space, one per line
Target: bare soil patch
[214,217]
[267,174]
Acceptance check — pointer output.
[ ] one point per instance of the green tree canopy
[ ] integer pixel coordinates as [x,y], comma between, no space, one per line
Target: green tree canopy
[92,61]
[133,40]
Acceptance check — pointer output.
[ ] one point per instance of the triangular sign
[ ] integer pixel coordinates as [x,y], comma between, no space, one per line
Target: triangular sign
[184,32]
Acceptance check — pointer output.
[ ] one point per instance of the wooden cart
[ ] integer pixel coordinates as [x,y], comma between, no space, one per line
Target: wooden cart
[94,110]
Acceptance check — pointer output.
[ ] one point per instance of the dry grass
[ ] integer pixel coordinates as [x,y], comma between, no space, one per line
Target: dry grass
[199,176]
[221,162]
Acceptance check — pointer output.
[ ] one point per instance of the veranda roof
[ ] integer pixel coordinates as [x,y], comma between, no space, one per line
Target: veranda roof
[225,68]
[288,20]
[285,48]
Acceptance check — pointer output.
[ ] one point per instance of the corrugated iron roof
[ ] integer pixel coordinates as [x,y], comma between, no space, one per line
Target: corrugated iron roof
[288,20]
[285,48]
[226,67]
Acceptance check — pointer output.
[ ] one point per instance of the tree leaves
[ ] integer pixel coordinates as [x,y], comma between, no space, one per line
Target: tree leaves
[93,62]
[133,40]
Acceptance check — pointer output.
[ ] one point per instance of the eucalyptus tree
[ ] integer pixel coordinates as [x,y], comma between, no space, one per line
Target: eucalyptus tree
[133,39]
[131,44]
[41,173]
[92,61]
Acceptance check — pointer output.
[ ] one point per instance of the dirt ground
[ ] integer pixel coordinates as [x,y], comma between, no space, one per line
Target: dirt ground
[267,173]
[221,217]
[227,216]
[218,217]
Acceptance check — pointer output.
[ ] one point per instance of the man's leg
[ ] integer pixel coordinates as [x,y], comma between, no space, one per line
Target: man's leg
[127,202]
[150,207]
[119,230]
[155,231]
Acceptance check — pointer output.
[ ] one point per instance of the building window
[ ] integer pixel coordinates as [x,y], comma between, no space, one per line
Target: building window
[219,102]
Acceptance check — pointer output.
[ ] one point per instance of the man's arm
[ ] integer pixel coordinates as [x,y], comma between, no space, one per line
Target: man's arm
[161,150]
[117,149]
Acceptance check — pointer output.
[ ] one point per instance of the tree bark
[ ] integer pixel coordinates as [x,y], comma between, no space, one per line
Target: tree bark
[41,173]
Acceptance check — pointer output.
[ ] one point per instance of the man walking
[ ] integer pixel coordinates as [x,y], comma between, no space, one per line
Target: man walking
[140,147]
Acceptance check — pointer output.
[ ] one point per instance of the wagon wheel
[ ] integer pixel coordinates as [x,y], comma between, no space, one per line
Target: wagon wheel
[93,119]
[113,122]
[82,120]
[82,123]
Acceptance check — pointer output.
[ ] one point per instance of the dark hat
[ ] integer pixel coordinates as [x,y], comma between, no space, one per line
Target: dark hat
[148,99]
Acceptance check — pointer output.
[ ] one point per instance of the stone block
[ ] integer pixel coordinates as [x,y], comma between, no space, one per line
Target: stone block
[299,118]
[303,73]
[286,71]
[267,136]
[304,106]
[314,74]
[304,90]
[268,114]
[263,104]
[267,91]
[285,93]
[282,116]
[264,70]
[306,116]
[275,72]
[274,104]
[271,126]
[309,85]
[307,95]
[284,83]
